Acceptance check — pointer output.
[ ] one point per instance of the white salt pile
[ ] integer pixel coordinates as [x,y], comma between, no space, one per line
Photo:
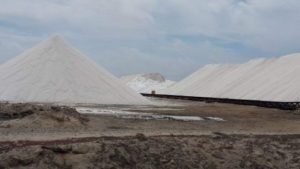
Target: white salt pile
[145,83]
[54,71]
[274,79]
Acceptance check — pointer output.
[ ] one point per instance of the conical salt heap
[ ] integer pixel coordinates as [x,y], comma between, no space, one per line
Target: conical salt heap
[55,72]
[275,79]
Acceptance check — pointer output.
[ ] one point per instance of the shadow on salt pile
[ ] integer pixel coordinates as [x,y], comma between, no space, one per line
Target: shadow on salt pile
[143,116]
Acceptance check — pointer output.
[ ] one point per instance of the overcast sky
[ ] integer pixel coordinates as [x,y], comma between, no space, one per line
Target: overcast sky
[173,37]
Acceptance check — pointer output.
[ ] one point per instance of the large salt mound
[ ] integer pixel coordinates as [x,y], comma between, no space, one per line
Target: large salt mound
[53,71]
[274,79]
[145,83]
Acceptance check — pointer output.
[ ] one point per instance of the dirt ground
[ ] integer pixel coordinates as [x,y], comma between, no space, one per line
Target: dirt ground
[238,120]
[171,152]
[60,137]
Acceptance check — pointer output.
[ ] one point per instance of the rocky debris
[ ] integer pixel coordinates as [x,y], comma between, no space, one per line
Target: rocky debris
[59,149]
[219,135]
[20,158]
[15,111]
[170,152]
[31,115]
[81,149]
[296,112]
[141,137]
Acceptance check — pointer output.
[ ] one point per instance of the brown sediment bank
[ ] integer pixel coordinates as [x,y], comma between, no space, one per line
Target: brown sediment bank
[47,136]
[214,151]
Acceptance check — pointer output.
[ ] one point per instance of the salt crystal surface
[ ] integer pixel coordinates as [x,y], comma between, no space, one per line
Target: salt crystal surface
[142,116]
[145,83]
[215,118]
[54,71]
[275,79]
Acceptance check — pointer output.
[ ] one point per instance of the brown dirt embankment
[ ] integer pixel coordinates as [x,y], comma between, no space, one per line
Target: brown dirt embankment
[172,152]
[38,116]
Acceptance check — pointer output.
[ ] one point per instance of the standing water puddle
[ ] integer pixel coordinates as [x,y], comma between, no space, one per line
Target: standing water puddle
[142,116]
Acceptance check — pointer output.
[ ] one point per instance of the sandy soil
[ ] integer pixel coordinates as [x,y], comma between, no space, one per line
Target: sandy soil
[207,152]
[238,120]
[47,136]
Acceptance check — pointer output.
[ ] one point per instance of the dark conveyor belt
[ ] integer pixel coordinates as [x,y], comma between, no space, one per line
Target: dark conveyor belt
[259,103]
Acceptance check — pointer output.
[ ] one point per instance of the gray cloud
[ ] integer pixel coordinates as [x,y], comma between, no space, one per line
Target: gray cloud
[174,37]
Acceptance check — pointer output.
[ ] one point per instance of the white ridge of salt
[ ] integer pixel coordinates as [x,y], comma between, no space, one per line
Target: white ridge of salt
[215,118]
[275,79]
[54,71]
[145,83]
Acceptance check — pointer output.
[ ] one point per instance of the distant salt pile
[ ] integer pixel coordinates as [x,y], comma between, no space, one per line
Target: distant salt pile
[54,71]
[274,79]
[145,83]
